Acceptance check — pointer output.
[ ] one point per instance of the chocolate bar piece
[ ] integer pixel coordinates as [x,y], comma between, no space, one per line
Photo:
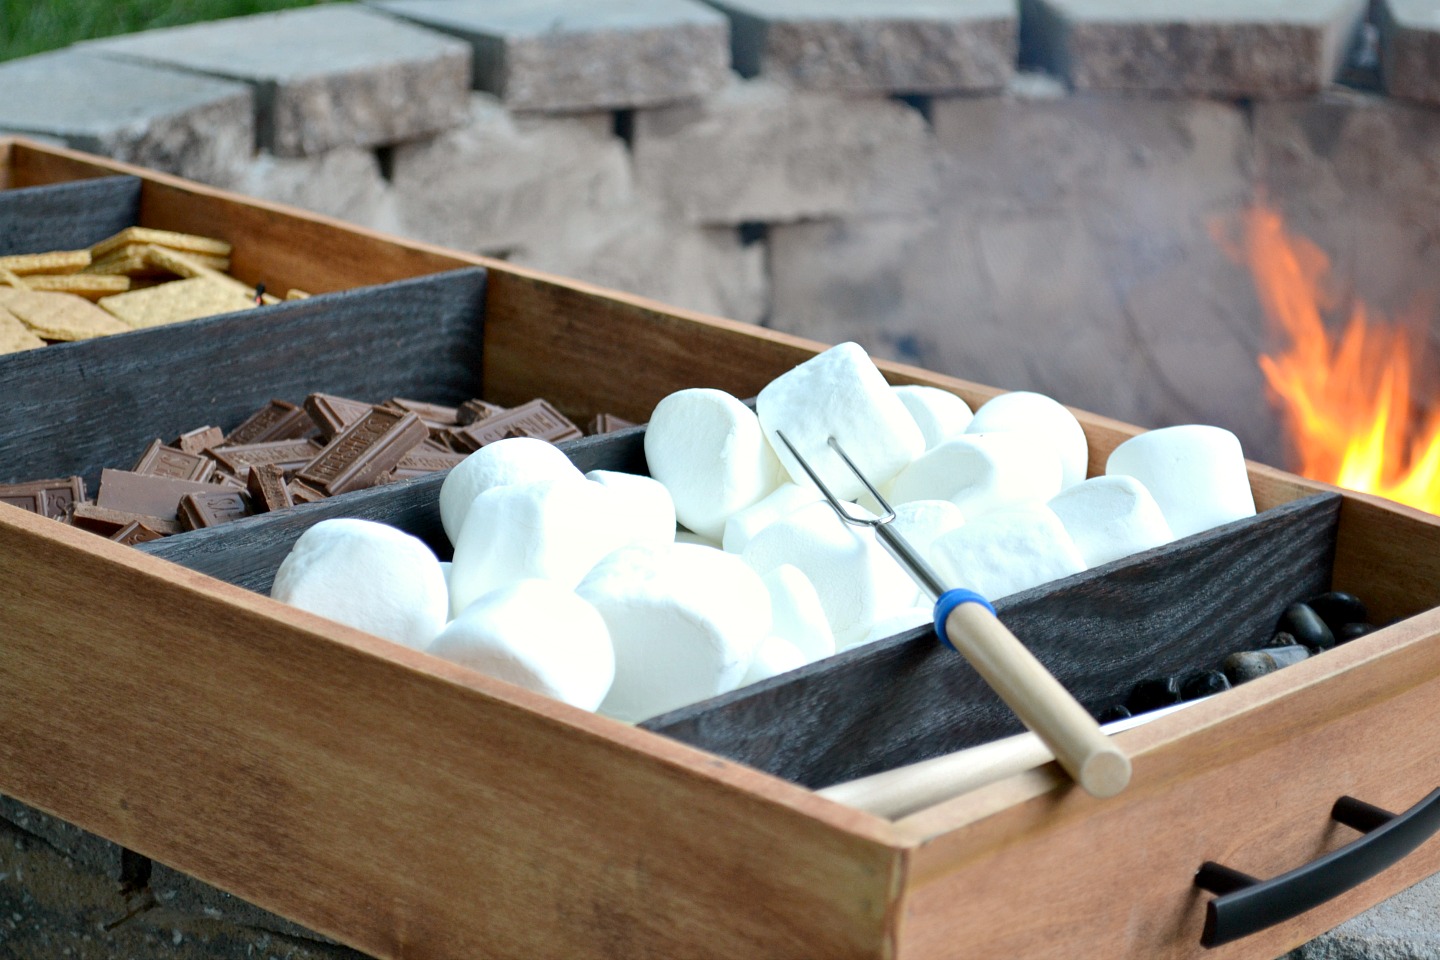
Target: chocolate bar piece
[49,498]
[197,440]
[267,488]
[107,522]
[144,494]
[302,492]
[536,418]
[289,455]
[472,410]
[333,414]
[226,480]
[277,420]
[136,531]
[606,423]
[159,460]
[364,452]
[199,510]
[434,414]
[422,460]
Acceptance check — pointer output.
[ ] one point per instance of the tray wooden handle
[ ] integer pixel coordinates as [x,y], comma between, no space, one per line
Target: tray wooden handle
[1038,699]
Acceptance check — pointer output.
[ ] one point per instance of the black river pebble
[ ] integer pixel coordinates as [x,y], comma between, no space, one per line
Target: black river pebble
[1154,693]
[1306,627]
[1204,684]
[1111,714]
[1349,631]
[1337,609]
[1249,664]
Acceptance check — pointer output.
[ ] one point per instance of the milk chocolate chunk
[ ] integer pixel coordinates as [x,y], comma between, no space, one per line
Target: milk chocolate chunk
[266,486]
[277,420]
[49,498]
[477,409]
[107,522]
[144,494]
[136,531]
[606,423]
[333,414]
[302,492]
[423,460]
[434,414]
[537,419]
[199,510]
[198,440]
[364,452]
[289,455]
[162,461]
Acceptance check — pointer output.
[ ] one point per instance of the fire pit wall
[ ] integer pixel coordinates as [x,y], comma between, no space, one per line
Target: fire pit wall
[1024,197]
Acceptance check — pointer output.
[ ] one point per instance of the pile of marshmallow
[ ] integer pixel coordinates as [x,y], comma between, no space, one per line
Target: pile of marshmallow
[582,586]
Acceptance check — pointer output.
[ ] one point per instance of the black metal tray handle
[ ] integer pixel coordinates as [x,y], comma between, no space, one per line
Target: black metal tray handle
[1246,905]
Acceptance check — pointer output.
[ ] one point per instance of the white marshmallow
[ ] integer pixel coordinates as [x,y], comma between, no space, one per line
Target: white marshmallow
[1042,418]
[684,620]
[939,414]
[921,523]
[512,460]
[689,536]
[774,656]
[742,525]
[898,623]
[707,448]
[1007,551]
[368,576]
[796,613]
[839,393]
[1111,517]
[548,530]
[1196,473]
[857,580]
[644,503]
[982,472]
[538,635]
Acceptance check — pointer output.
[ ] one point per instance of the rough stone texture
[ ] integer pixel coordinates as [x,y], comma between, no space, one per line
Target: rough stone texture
[643,251]
[1401,928]
[1235,48]
[86,849]
[325,76]
[345,182]
[758,152]
[1357,175]
[1410,48]
[876,46]
[504,182]
[53,905]
[559,55]
[181,893]
[194,126]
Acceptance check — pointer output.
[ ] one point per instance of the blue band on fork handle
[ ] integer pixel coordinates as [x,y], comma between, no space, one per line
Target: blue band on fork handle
[948,601]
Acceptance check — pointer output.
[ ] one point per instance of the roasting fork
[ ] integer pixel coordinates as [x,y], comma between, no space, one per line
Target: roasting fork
[966,622]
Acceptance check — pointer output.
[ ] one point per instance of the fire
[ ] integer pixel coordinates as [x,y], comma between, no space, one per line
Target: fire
[1348,400]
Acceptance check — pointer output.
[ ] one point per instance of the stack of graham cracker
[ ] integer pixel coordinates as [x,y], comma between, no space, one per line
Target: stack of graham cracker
[138,278]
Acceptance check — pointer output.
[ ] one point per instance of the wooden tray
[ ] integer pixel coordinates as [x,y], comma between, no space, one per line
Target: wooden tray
[413,808]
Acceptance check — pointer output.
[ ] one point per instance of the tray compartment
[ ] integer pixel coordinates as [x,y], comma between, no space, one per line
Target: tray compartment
[77,407]
[67,216]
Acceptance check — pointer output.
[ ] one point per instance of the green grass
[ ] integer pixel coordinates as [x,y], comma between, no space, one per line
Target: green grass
[33,26]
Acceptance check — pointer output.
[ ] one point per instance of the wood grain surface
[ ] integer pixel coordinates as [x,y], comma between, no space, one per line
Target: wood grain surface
[77,407]
[1174,610]
[67,216]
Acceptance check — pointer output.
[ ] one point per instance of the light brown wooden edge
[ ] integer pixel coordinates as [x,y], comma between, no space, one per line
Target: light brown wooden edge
[521,306]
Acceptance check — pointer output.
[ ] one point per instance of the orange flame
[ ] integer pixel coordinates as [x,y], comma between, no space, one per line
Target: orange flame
[1347,401]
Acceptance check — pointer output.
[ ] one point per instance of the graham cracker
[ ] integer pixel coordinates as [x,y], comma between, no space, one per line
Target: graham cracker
[14,335]
[178,300]
[54,262]
[88,285]
[130,260]
[59,316]
[184,242]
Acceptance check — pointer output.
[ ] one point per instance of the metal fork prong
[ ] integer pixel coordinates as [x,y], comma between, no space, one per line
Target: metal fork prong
[835,502]
[888,512]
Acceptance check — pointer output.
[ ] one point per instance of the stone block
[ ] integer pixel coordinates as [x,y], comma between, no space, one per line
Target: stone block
[1235,48]
[875,46]
[327,76]
[760,152]
[86,849]
[1410,48]
[502,181]
[643,251]
[557,55]
[196,127]
[182,894]
[345,182]
[1404,927]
